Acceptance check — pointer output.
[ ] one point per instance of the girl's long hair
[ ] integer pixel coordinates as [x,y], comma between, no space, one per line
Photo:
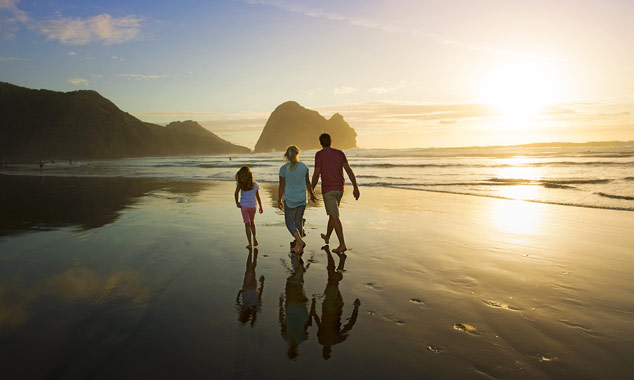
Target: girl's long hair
[292,155]
[244,178]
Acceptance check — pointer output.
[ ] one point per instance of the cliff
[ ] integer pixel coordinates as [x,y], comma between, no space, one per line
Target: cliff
[292,124]
[42,124]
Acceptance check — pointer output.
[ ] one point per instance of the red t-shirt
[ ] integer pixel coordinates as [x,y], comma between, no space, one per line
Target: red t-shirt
[331,162]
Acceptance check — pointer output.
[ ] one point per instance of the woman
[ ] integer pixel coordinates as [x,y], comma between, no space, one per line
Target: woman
[292,191]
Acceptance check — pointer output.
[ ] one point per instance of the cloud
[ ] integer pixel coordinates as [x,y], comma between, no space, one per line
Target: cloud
[118,58]
[141,76]
[343,90]
[78,81]
[72,53]
[388,89]
[11,7]
[9,59]
[394,29]
[72,31]
[102,28]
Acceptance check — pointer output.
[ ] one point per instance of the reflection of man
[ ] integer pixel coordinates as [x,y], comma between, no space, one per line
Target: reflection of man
[329,328]
[294,318]
[251,303]
[330,163]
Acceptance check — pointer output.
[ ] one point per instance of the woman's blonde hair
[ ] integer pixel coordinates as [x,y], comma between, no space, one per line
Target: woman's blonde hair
[292,155]
[244,178]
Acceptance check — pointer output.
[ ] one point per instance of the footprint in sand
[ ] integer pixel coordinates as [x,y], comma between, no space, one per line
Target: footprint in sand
[545,358]
[388,318]
[417,301]
[373,286]
[434,349]
[466,328]
[500,305]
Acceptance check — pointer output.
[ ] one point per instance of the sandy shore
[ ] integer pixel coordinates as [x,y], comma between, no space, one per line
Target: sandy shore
[124,278]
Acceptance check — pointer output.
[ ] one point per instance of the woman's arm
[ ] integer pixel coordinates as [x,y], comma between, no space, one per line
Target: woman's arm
[280,193]
[235,195]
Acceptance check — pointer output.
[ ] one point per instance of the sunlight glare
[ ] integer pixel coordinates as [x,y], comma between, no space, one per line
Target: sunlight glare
[519,90]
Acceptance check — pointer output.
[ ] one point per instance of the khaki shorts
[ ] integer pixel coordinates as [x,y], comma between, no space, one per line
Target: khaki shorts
[332,199]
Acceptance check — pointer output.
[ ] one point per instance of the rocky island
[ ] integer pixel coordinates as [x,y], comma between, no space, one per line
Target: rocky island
[290,123]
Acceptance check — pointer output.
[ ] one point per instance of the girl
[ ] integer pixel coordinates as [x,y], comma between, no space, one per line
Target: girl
[292,189]
[249,191]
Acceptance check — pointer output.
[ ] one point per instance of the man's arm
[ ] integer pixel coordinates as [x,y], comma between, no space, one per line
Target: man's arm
[353,179]
[313,183]
[313,196]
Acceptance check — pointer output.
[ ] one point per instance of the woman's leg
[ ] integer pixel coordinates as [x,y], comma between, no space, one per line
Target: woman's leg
[299,219]
[289,219]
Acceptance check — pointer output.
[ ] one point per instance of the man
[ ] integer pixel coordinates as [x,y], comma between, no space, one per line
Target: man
[329,164]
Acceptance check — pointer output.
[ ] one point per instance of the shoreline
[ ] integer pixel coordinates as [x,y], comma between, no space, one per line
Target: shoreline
[348,185]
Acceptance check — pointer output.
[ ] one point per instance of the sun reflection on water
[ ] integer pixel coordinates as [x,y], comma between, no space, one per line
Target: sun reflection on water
[517,217]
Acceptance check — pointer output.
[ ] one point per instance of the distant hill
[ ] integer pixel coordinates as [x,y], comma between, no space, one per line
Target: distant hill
[292,124]
[42,124]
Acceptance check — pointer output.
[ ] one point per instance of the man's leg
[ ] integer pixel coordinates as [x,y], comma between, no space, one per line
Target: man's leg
[336,222]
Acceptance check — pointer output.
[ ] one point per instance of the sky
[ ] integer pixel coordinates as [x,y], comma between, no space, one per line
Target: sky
[402,73]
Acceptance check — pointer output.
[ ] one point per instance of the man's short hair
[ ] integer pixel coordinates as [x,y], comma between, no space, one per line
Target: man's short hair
[324,140]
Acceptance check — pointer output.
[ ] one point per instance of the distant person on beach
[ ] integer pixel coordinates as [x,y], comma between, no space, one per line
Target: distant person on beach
[291,196]
[329,164]
[251,303]
[249,192]
[70,161]
[41,165]
[329,329]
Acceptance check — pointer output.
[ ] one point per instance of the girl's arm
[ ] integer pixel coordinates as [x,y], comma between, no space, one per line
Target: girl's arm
[311,191]
[280,193]
[257,196]
[235,195]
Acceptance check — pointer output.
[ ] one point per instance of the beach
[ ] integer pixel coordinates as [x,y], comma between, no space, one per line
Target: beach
[140,278]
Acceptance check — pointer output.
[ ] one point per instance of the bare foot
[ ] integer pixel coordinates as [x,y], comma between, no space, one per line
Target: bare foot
[340,249]
[326,238]
[249,246]
[255,242]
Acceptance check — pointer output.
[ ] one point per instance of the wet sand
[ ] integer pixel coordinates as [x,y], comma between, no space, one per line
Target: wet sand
[125,278]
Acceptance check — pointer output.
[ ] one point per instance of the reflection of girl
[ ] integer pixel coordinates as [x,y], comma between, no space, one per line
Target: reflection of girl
[251,303]
[292,189]
[294,317]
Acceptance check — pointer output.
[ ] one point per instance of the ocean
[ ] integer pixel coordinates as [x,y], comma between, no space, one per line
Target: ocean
[599,177]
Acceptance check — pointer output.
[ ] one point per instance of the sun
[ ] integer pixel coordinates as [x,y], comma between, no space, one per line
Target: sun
[520,89]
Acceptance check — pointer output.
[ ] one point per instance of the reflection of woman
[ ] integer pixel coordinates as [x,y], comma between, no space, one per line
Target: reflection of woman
[292,189]
[251,303]
[294,318]
[329,330]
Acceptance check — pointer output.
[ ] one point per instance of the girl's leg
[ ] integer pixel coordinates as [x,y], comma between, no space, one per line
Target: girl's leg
[255,235]
[247,228]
